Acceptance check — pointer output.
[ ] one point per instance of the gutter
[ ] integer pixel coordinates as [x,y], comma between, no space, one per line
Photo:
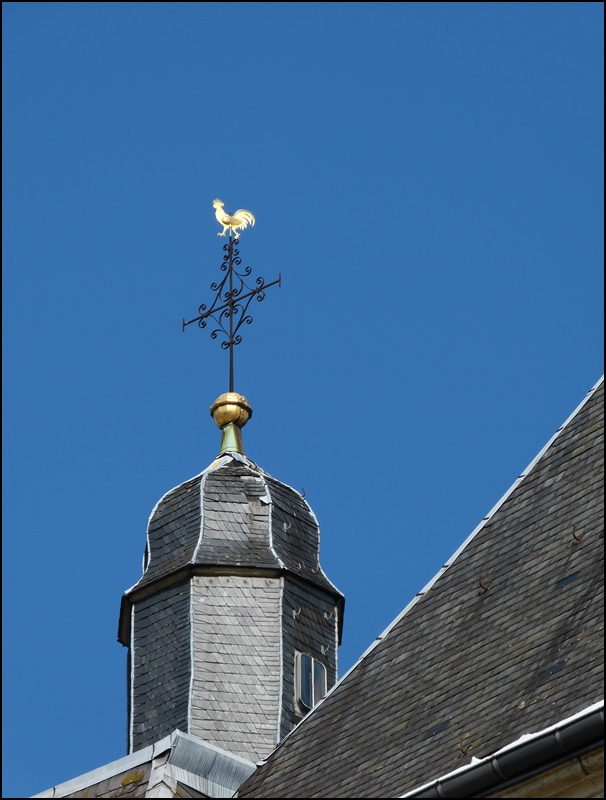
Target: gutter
[530,755]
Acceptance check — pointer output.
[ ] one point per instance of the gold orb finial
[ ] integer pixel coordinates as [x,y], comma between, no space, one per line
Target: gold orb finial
[231,411]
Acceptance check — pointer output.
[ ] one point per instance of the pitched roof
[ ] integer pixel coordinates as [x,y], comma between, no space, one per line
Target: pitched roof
[506,639]
[180,765]
[542,753]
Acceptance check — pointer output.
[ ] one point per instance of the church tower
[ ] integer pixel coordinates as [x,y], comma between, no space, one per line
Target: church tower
[233,628]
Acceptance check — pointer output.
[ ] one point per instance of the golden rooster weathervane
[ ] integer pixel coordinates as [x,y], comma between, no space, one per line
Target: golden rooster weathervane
[234,295]
[239,219]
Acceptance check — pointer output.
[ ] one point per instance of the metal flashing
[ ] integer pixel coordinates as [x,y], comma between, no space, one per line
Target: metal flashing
[206,767]
[185,573]
[132,678]
[192,761]
[315,519]
[102,773]
[341,596]
[270,521]
[191,654]
[198,545]
[281,656]
[216,464]
[153,511]
[336,644]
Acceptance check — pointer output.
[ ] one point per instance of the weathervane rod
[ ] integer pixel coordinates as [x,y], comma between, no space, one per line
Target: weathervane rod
[231,301]
[231,312]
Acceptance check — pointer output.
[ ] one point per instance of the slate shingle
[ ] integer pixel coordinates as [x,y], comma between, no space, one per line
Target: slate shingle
[159,692]
[466,666]
[233,516]
[222,518]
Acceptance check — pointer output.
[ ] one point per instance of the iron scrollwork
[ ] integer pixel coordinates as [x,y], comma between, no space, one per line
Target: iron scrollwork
[233,296]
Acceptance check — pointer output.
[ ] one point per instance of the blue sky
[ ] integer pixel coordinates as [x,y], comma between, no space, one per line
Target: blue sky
[427,177]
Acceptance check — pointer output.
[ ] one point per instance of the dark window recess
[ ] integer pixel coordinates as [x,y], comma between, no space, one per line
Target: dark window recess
[566,581]
[311,681]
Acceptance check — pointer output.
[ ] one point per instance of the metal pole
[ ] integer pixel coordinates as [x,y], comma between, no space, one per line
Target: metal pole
[231,313]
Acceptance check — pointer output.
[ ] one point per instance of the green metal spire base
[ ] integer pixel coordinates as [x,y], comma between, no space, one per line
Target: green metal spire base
[231,439]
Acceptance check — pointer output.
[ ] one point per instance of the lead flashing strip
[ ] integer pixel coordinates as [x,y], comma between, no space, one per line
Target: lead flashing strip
[266,500]
[191,654]
[451,560]
[132,679]
[199,543]
[281,656]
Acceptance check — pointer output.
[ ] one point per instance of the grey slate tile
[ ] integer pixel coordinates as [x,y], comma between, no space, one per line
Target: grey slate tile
[481,661]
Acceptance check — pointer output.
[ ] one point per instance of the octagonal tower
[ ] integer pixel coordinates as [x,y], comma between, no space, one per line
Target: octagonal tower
[233,628]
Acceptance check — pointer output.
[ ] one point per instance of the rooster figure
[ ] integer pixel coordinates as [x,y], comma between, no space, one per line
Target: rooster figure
[240,219]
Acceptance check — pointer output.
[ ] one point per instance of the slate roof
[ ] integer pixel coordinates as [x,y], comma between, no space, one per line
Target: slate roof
[231,516]
[467,668]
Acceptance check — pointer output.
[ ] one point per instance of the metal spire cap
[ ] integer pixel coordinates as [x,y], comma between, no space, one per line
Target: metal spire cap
[231,411]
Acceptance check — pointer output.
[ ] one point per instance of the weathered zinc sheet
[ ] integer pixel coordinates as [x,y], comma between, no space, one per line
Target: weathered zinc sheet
[236,683]
[161,654]
[465,671]
[309,625]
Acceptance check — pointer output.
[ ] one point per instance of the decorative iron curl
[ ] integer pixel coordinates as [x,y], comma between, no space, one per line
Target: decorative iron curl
[233,296]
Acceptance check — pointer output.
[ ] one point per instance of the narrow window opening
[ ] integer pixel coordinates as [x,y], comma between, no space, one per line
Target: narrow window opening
[145,561]
[311,681]
[319,681]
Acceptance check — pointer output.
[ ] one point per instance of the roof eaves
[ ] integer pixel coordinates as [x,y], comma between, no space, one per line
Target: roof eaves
[108,770]
[529,755]
[196,763]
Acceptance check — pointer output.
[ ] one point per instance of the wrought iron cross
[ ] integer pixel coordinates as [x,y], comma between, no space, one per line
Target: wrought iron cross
[230,305]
